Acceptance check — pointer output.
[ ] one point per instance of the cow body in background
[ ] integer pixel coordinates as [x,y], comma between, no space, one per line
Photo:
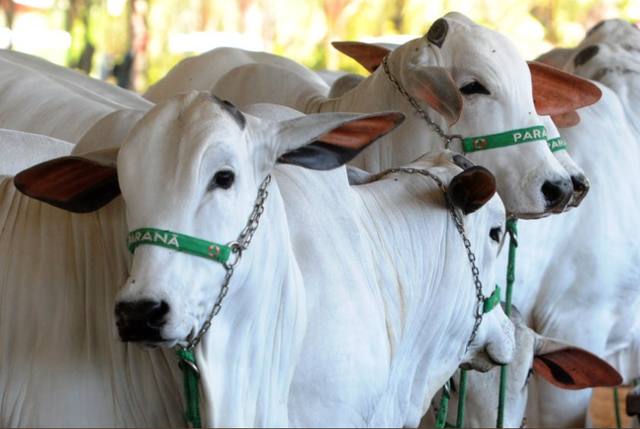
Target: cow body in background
[581,288]
[44,98]
[22,150]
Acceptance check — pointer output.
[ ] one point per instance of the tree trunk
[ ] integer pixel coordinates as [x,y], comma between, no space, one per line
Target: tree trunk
[9,9]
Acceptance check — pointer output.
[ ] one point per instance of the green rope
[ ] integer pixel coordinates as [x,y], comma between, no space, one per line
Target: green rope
[191,389]
[617,408]
[443,409]
[512,229]
[462,397]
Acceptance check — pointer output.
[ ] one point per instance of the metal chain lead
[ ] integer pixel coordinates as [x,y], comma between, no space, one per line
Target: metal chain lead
[480,298]
[448,139]
[237,247]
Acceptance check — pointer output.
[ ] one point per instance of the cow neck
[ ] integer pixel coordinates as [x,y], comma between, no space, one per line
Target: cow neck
[414,241]
[247,358]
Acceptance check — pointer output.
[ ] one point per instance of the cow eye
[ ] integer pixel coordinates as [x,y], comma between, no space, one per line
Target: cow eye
[474,87]
[495,234]
[222,179]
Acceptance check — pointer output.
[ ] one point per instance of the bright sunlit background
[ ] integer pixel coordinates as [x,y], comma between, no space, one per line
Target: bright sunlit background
[150,36]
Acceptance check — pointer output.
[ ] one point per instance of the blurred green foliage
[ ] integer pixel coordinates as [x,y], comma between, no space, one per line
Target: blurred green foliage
[161,32]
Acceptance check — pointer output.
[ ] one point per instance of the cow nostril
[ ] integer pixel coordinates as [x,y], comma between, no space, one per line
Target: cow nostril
[556,193]
[141,320]
[580,184]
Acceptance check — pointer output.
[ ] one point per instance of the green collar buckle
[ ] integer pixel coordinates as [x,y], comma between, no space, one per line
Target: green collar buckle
[557,144]
[180,242]
[491,302]
[508,138]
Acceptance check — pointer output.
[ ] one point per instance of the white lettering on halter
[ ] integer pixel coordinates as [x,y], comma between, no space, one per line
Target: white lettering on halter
[174,241]
[160,237]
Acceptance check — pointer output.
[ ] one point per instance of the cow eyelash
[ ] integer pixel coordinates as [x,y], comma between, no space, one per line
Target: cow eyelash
[529,374]
[496,234]
[222,179]
[474,87]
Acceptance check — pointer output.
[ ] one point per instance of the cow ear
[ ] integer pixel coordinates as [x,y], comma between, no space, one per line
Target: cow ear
[435,86]
[556,92]
[75,184]
[472,189]
[570,367]
[367,55]
[328,140]
[566,120]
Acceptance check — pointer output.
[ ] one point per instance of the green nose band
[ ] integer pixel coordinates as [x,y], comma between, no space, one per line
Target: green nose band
[179,242]
[508,138]
[557,144]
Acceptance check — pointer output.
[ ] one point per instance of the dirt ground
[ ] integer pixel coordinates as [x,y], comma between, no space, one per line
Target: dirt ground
[602,411]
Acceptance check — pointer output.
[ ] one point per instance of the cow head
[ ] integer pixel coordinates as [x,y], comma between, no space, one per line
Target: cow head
[554,361]
[616,65]
[477,84]
[193,165]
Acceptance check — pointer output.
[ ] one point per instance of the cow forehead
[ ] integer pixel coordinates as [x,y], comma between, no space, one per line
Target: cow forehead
[185,122]
[485,52]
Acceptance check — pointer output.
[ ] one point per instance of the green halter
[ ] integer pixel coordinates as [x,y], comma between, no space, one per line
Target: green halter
[507,138]
[557,144]
[180,242]
[193,246]
[441,417]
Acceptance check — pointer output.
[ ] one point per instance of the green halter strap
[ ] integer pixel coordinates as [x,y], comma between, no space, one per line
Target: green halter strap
[507,138]
[192,246]
[179,242]
[441,417]
[557,144]
[512,229]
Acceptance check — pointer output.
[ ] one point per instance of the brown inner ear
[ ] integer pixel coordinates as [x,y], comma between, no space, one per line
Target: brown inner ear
[556,92]
[566,120]
[71,183]
[573,368]
[356,134]
[368,56]
[472,189]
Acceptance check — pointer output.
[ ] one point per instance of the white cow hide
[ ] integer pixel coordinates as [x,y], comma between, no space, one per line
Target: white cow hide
[22,150]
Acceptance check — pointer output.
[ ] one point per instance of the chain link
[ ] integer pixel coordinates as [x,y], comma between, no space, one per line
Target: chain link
[448,139]
[237,248]
[457,218]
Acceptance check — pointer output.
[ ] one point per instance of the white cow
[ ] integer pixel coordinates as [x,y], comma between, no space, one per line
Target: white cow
[89,87]
[246,370]
[203,71]
[19,150]
[43,98]
[614,63]
[456,60]
[554,361]
[576,275]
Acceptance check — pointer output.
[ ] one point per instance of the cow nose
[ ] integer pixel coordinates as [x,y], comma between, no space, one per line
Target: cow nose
[581,186]
[141,320]
[557,193]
